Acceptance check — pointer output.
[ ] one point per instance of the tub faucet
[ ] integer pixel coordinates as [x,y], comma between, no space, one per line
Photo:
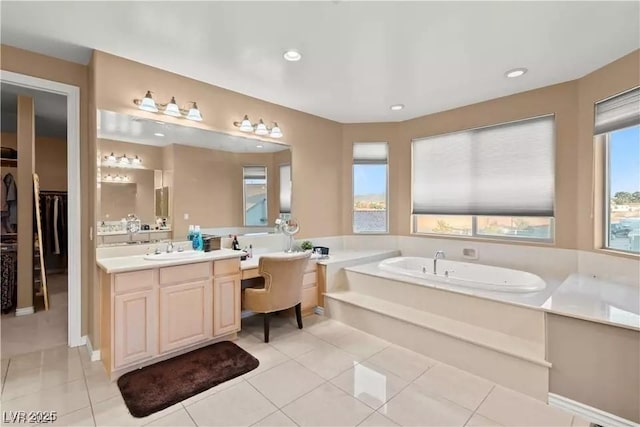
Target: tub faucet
[436,257]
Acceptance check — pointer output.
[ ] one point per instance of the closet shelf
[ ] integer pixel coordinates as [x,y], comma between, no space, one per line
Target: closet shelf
[8,163]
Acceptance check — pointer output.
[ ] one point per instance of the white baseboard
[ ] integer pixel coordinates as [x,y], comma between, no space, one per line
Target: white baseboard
[319,311]
[93,354]
[589,413]
[24,311]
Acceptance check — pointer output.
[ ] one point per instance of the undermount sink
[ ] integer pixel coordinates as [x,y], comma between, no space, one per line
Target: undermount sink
[169,256]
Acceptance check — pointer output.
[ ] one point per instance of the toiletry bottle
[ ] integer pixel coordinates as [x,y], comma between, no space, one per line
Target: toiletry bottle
[194,239]
[190,233]
[235,245]
[250,255]
[200,239]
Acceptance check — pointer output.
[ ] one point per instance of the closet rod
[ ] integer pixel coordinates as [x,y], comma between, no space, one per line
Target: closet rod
[53,192]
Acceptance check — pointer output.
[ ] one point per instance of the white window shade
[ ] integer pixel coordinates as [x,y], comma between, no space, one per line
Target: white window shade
[504,170]
[370,152]
[285,189]
[618,112]
[254,172]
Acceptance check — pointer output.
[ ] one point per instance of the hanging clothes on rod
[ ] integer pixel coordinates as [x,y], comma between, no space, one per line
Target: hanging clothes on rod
[53,211]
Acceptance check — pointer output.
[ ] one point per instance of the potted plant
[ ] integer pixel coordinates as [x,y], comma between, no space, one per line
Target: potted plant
[306,245]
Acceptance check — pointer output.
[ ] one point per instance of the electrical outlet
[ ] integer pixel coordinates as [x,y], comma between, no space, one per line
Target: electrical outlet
[186,216]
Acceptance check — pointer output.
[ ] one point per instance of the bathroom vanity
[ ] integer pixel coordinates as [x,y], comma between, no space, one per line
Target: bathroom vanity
[153,310]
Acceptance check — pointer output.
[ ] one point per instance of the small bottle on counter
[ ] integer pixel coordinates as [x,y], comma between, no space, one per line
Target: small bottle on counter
[234,244]
[250,252]
[197,242]
[190,233]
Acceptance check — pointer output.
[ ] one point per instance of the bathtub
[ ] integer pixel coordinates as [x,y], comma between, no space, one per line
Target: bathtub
[475,276]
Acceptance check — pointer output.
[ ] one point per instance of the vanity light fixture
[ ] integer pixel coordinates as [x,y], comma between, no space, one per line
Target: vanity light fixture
[117,178]
[110,157]
[123,160]
[170,109]
[136,160]
[397,107]
[516,72]
[260,128]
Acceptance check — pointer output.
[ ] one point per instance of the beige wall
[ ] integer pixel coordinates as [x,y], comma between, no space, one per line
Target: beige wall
[45,67]
[316,142]
[571,102]
[51,160]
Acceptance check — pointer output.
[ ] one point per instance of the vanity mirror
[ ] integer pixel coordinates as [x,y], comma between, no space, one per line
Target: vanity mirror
[185,176]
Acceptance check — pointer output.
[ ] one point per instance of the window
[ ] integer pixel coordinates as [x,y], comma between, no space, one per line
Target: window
[255,195]
[285,189]
[618,119]
[496,181]
[370,187]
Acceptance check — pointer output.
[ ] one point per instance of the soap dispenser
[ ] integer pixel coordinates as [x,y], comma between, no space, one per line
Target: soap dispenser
[197,242]
[190,233]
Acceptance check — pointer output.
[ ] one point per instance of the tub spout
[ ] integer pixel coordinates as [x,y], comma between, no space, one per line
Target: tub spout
[436,257]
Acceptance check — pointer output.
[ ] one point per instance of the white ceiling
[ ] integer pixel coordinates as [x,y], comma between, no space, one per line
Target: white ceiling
[50,110]
[358,57]
[122,127]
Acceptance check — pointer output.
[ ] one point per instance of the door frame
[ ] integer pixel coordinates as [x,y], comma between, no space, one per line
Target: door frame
[74,262]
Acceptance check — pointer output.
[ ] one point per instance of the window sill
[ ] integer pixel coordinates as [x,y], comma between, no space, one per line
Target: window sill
[621,254]
[540,242]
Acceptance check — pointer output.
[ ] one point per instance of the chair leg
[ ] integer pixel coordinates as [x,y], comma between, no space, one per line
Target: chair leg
[299,315]
[266,317]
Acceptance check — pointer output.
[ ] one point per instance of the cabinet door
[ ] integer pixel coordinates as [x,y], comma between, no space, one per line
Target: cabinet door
[185,314]
[226,304]
[135,329]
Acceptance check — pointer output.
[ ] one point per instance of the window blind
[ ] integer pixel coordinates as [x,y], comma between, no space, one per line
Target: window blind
[370,153]
[618,112]
[254,172]
[285,189]
[506,169]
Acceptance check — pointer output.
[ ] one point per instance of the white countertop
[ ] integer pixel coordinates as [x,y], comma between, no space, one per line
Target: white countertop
[122,233]
[138,262]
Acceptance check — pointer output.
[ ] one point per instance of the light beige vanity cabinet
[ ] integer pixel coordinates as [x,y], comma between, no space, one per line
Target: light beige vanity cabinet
[155,313]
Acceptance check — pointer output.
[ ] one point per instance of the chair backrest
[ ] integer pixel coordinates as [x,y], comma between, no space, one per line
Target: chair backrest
[283,278]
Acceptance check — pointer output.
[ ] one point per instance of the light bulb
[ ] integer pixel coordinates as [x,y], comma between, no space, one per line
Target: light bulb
[148,104]
[111,157]
[124,159]
[172,108]
[194,113]
[137,160]
[261,129]
[275,131]
[246,125]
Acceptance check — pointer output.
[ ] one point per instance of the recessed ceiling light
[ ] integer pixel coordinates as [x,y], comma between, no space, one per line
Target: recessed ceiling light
[259,146]
[292,55]
[516,72]
[397,107]
[159,134]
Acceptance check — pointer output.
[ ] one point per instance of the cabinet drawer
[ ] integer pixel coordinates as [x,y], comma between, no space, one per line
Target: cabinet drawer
[250,273]
[134,281]
[309,279]
[185,273]
[309,298]
[226,266]
[311,266]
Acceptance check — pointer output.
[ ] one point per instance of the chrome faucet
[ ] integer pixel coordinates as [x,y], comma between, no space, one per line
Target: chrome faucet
[169,247]
[436,257]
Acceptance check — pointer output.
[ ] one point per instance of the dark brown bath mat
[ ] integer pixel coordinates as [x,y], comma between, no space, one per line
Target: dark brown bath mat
[166,383]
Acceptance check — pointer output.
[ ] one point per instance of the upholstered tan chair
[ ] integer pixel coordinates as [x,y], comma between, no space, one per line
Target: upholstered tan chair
[282,287]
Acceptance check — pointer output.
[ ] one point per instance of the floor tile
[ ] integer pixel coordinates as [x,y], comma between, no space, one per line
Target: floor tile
[101,387]
[238,405]
[580,422]
[370,384]
[377,420]
[53,357]
[114,412]
[458,386]
[327,405]
[294,345]
[277,419]
[286,382]
[268,357]
[20,382]
[361,344]
[480,421]
[82,417]
[213,390]
[247,340]
[178,418]
[328,361]
[412,407]
[64,399]
[404,363]
[508,407]
[329,330]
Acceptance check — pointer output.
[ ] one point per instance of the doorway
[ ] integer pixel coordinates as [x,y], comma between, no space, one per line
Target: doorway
[64,254]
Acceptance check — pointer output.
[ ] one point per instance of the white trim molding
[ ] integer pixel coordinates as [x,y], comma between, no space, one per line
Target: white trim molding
[95,355]
[72,94]
[24,311]
[589,413]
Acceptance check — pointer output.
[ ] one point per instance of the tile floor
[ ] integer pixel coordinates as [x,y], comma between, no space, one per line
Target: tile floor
[324,375]
[45,329]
